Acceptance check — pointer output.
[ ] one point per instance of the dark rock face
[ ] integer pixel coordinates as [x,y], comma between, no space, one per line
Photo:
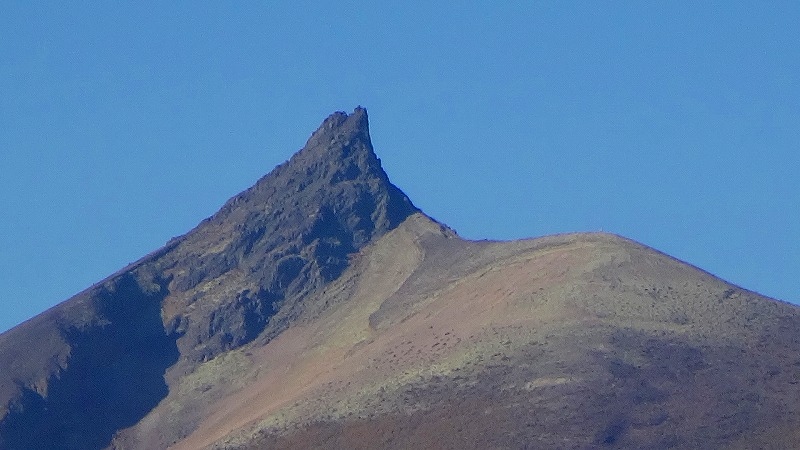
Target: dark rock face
[98,362]
[283,238]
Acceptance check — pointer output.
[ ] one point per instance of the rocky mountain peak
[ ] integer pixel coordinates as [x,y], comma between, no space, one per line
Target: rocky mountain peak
[244,273]
[341,124]
[339,150]
[319,309]
[290,234]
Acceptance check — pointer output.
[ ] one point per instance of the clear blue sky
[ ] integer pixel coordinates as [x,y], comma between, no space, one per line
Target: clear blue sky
[673,123]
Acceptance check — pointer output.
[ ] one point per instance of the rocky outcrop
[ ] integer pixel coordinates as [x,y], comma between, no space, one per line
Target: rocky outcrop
[280,240]
[240,274]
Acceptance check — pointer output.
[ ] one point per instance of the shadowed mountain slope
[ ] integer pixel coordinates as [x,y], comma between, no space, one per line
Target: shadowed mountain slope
[320,309]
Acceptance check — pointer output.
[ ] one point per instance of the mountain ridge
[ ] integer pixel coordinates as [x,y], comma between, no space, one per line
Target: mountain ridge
[321,308]
[302,219]
[605,350]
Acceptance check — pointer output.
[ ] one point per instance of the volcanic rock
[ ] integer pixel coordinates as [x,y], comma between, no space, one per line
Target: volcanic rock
[321,309]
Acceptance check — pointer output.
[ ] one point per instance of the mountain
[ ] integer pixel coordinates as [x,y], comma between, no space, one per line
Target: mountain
[321,309]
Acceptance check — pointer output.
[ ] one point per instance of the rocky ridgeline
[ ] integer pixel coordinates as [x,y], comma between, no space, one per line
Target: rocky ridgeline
[239,274]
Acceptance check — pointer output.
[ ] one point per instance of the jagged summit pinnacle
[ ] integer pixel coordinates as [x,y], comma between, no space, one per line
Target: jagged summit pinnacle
[339,151]
[292,232]
[342,123]
[341,137]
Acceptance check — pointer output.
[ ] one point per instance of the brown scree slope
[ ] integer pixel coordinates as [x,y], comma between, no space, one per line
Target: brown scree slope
[573,341]
[320,309]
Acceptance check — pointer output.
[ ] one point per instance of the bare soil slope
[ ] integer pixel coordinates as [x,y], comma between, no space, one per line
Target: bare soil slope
[573,341]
